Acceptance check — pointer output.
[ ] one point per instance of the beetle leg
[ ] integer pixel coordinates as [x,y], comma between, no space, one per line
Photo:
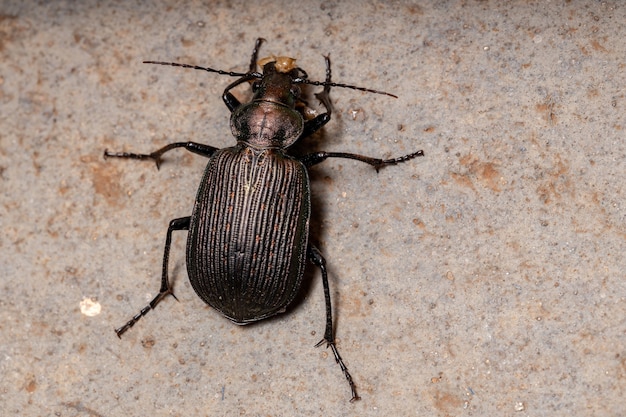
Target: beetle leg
[317,157]
[197,148]
[324,96]
[315,124]
[166,288]
[329,338]
[255,54]
[230,100]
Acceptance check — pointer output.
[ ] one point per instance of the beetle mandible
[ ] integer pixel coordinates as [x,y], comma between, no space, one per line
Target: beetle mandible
[248,238]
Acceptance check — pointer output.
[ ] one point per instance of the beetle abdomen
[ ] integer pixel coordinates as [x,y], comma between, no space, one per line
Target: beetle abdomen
[249,231]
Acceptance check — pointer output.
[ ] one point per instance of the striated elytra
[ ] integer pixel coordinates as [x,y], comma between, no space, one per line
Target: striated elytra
[248,239]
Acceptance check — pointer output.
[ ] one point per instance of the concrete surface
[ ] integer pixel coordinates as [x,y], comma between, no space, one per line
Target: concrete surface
[485,279]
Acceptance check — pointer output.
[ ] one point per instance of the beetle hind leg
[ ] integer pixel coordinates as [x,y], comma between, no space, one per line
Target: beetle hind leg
[329,338]
[166,288]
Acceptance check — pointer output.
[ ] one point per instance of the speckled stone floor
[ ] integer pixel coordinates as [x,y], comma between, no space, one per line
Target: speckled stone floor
[485,279]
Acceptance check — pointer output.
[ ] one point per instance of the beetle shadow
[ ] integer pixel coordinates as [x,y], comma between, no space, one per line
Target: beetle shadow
[317,176]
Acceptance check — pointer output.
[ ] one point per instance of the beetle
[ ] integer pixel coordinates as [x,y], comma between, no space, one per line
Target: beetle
[248,239]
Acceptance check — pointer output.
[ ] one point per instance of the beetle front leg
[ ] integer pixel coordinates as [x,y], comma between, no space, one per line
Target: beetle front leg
[315,124]
[317,157]
[255,54]
[166,288]
[197,148]
[229,99]
[329,338]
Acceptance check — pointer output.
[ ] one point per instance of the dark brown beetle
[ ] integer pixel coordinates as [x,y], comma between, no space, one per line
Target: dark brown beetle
[249,230]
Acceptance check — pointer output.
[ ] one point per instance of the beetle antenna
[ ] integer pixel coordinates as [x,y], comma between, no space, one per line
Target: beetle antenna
[299,80]
[230,73]
[353,87]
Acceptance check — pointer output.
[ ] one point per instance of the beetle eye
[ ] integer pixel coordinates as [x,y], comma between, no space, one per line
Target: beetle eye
[255,86]
[295,91]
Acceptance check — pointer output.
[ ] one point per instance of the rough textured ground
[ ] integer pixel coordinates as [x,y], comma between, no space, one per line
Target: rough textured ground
[484,279]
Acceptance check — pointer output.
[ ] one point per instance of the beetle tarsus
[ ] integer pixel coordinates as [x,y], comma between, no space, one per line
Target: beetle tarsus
[394,161]
[161,295]
[155,156]
[344,368]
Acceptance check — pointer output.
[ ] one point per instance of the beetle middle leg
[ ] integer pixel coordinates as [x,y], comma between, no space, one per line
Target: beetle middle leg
[195,147]
[166,289]
[317,157]
[329,337]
